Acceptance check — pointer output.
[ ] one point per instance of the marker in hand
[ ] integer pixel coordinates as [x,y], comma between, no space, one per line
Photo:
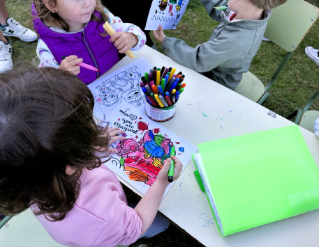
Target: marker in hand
[111,31]
[172,166]
[84,65]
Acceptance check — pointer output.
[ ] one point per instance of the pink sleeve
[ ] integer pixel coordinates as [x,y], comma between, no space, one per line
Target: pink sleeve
[124,227]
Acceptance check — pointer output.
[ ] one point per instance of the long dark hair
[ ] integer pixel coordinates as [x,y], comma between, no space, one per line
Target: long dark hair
[46,123]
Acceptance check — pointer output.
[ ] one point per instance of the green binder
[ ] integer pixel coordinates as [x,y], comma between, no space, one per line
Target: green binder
[258,178]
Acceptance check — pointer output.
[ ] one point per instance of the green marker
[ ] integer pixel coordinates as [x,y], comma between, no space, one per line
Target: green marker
[182,90]
[146,76]
[172,166]
[163,85]
[221,8]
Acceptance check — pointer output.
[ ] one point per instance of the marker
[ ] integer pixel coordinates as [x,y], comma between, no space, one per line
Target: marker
[168,100]
[166,79]
[182,86]
[173,96]
[165,72]
[84,65]
[148,89]
[168,85]
[144,90]
[159,102]
[163,100]
[163,84]
[221,8]
[151,82]
[152,96]
[160,89]
[169,69]
[154,73]
[173,87]
[158,77]
[177,95]
[148,100]
[172,166]
[146,76]
[172,73]
[151,100]
[182,78]
[178,76]
[154,89]
[111,31]
[162,70]
[142,84]
[181,90]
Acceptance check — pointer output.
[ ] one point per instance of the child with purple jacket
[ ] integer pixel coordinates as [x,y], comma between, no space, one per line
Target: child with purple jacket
[74,30]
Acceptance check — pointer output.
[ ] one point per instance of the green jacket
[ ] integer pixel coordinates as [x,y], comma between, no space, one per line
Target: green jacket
[228,52]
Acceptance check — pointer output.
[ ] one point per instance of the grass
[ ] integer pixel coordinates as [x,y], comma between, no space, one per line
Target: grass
[296,83]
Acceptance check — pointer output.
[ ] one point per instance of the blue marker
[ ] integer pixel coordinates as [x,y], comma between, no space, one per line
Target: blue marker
[172,87]
[166,79]
[167,94]
[160,89]
[144,90]
[176,95]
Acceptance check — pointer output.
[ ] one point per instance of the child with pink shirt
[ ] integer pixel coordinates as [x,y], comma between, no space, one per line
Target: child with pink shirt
[51,159]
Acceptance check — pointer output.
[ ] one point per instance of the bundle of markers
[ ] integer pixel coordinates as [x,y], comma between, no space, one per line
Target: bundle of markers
[162,88]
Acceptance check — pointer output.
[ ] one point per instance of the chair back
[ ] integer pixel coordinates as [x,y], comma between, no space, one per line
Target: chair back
[290,22]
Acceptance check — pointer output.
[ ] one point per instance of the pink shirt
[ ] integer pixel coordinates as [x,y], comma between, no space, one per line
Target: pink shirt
[100,216]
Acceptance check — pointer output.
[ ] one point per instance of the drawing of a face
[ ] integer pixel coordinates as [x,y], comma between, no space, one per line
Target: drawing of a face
[133,97]
[107,99]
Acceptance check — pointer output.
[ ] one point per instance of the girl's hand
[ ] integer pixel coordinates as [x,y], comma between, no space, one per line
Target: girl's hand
[163,174]
[124,41]
[159,34]
[70,63]
[113,133]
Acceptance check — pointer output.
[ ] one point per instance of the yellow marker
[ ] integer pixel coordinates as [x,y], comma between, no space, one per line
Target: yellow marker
[159,102]
[171,74]
[158,77]
[173,91]
[111,31]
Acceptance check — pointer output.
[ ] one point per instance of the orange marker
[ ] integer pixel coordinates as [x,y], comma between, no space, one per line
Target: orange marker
[154,89]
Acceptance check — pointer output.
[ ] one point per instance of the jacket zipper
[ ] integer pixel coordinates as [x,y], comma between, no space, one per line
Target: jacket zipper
[92,56]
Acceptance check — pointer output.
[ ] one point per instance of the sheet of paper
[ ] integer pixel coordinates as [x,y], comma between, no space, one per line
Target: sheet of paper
[140,157]
[168,13]
[120,86]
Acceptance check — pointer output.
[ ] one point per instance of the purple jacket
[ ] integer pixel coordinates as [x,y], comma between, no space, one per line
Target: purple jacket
[95,49]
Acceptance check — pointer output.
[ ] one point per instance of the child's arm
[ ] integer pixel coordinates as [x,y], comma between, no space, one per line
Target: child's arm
[45,55]
[128,36]
[206,56]
[149,204]
[212,12]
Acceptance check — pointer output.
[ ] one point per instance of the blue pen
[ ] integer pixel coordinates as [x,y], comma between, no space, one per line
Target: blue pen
[176,95]
[172,87]
[160,89]
[167,94]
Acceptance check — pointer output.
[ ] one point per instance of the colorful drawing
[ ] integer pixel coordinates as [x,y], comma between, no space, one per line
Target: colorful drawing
[142,160]
[162,12]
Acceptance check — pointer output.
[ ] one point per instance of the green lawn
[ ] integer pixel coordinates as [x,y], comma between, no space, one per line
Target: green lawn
[296,83]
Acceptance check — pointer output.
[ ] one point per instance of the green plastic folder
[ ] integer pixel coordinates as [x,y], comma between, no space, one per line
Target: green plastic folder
[258,178]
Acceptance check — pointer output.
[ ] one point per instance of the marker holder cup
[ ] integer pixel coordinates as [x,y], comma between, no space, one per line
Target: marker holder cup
[159,114]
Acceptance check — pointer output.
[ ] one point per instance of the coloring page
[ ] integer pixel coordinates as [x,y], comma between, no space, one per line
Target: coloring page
[168,13]
[140,157]
[120,86]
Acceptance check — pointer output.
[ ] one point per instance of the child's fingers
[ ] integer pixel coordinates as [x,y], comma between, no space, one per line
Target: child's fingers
[113,150]
[70,58]
[116,36]
[117,138]
[126,48]
[166,165]
[115,131]
[76,61]
[178,165]
[76,70]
